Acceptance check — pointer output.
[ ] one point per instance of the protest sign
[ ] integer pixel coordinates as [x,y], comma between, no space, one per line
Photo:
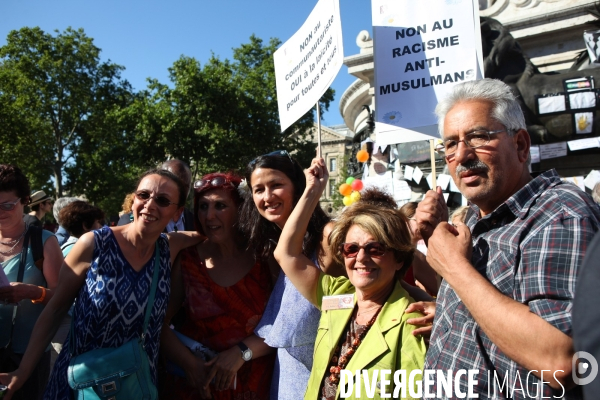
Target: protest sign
[421,50]
[307,64]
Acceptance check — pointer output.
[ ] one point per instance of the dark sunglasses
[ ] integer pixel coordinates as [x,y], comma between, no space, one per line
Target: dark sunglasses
[373,249]
[161,201]
[217,182]
[280,153]
[9,206]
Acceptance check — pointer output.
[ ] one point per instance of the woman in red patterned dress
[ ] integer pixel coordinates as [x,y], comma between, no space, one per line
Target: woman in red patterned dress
[223,291]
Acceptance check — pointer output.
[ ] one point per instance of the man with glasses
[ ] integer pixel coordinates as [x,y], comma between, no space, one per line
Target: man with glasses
[504,307]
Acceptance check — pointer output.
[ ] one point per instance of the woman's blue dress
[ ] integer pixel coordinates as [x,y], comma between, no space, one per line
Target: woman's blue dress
[110,307]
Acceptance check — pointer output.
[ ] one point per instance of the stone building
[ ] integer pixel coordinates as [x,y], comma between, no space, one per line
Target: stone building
[550,32]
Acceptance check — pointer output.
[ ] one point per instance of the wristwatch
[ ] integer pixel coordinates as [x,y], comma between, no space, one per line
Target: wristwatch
[246,352]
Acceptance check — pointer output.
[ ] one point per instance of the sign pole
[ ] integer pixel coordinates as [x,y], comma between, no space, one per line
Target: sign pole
[318,130]
[432,152]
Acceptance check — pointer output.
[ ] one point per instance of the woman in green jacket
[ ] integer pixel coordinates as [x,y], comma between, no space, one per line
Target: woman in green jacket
[363,325]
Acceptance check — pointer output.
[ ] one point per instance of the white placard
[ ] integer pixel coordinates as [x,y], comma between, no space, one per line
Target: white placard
[446,195]
[384,182]
[443,180]
[408,172]
[577,180]
[421,50]
[582,100]
[581,144]
[417,175]
[592,178]
[429,181]
[551,104]
[307,64]
[534,151]
[401,190]
[584,122]
[553,150]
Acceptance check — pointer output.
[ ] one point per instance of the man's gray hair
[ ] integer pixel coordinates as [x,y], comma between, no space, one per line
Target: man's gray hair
[506,111]
[60,203]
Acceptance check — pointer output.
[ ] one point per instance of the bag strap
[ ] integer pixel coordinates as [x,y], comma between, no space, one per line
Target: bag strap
[20,275]
[152,291]
[148,306]
[37,246]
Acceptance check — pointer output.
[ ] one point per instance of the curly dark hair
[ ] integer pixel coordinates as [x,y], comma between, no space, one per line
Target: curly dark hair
[12,179]
[225,181]
[378,197]
[79,216]
[263,235]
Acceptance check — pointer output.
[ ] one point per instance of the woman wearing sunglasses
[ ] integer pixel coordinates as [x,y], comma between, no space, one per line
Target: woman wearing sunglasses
[275,183]
[363,325]
[110,272]
[224,291]
[23,300]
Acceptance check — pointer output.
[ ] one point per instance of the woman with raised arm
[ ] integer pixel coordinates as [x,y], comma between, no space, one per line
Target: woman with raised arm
[110,272]
[275,182]
[363,325]
[223,291]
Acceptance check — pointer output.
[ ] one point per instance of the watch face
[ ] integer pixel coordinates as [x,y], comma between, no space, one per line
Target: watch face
[247,355]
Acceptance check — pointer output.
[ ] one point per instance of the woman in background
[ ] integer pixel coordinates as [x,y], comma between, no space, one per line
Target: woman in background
[224,291]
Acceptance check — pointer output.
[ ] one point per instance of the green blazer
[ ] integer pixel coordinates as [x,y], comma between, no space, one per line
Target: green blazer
[389,344]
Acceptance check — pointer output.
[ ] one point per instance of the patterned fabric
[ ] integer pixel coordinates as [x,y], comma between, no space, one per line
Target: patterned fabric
[221,317]
[530,248]
[290,324]
[110,307]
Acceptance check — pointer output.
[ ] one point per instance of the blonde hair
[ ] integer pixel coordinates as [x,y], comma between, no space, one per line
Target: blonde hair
[387,226]
[460,213]
[128,203]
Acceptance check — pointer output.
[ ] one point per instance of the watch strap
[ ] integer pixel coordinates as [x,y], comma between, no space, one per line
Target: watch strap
[242,346]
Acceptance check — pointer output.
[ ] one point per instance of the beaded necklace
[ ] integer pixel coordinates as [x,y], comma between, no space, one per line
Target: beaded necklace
[338,364]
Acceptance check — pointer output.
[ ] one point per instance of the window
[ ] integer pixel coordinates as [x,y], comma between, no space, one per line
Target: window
[332,164]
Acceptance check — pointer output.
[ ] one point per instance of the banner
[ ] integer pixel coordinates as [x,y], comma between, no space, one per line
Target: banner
[421,50]
[307,64]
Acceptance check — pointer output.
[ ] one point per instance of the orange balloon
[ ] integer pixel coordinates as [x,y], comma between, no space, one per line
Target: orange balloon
[362,156]
[345,189]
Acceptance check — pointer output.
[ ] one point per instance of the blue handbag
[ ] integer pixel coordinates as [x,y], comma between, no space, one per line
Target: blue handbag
[121,373]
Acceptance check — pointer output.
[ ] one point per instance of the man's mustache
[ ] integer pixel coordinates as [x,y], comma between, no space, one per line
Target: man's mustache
[471,165]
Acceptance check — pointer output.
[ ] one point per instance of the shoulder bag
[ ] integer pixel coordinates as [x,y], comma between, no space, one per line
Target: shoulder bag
[121,373]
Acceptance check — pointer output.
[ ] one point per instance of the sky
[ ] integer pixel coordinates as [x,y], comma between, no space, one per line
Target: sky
[147,36]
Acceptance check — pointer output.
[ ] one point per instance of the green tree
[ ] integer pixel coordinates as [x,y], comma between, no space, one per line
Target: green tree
[55,94]
[343,175]
[221,115]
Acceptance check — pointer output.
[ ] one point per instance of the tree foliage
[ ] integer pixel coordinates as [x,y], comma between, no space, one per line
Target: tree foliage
[68,117]
[54,94]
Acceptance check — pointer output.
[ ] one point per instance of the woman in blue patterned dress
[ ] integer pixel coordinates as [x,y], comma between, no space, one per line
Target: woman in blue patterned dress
[275,183]
[110,271]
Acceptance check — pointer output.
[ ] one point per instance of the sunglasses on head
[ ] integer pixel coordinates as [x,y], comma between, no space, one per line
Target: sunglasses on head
[373,249]
[214,183]
[9,206]
[161,201]
[280,153]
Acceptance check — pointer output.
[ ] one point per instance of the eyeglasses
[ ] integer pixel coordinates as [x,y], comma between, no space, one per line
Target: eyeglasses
[280,153]
[475,139]
[373,249]
[161,201]
[215,183]
[9,206]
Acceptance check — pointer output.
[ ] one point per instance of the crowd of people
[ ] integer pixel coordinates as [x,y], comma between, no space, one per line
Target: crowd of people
[258,294]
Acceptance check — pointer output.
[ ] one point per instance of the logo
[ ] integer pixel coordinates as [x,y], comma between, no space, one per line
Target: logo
[584,368]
